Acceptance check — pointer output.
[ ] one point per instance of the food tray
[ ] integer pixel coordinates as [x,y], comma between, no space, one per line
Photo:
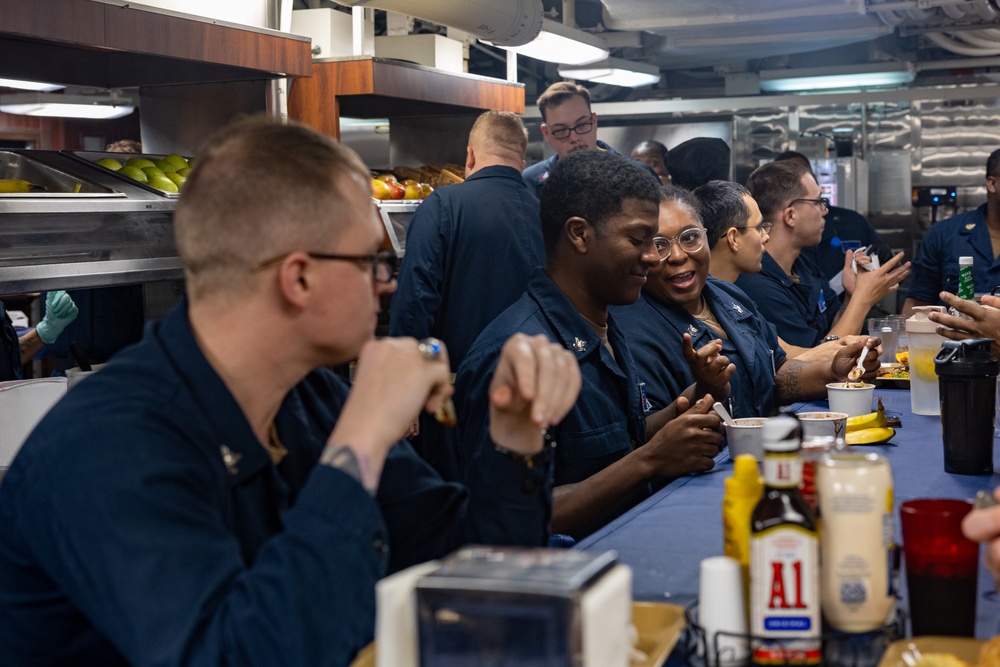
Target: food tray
[55,183]
[659,626]
[906,652]
[891,383]
[90,157]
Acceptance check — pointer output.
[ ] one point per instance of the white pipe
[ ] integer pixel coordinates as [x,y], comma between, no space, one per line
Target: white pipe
[957,63]
[981,41]
[955,47]
[502,22]
[569,13]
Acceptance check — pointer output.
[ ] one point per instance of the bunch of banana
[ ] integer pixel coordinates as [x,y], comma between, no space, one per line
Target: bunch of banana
[16,186]
[870,429]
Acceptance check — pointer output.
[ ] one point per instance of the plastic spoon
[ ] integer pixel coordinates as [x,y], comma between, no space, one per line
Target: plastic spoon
[859,370]
[721,411]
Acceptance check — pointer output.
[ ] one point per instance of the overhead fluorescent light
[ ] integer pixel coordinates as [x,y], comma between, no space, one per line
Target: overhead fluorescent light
[100,107]
[557,43]
[29,85]
[827,78]
[614,71]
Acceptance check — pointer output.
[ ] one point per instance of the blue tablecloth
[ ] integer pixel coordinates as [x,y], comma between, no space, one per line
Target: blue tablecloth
[665,538]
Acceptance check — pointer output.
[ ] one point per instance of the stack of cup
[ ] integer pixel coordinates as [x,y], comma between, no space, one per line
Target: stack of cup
[721,611]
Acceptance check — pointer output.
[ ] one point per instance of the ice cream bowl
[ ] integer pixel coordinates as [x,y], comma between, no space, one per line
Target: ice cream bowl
[854,398]
[744,437]
[823,424]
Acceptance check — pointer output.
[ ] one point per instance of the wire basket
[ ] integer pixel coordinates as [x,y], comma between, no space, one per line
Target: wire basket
[840,649]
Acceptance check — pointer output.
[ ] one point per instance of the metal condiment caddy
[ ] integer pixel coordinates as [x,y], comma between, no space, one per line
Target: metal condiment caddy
[839,649]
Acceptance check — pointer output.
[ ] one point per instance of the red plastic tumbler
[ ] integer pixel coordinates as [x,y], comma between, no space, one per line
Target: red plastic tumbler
[941,567]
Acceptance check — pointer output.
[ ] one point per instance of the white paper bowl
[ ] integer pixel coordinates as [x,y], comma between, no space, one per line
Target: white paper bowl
[852,400]
[744,437]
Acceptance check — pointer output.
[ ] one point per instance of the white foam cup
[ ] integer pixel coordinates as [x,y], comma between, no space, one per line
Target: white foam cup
[721,610]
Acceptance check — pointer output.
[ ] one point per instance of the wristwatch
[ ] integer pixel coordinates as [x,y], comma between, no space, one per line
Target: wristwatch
[829,338]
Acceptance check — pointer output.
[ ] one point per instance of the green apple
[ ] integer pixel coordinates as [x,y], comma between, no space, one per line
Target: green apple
[139,162]
[176,178]
[109,163]
[179,161]
[161,182]
[184,171]
[166,166]
[152,171]
[134,173]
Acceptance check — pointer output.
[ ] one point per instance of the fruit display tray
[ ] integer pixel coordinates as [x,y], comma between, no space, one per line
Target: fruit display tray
[49,182]
[91,157]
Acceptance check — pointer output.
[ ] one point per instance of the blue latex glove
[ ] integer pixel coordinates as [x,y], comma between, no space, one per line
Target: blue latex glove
[59,312]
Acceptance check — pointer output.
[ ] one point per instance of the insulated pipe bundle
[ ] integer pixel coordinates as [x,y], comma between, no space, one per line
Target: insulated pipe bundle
[984,42]
[501,22]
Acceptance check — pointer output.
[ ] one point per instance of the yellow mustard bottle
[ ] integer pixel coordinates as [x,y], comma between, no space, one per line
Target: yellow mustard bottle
[743,490]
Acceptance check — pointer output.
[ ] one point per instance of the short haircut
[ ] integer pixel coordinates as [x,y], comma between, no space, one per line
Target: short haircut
[775,184]
[558,93]
[683,197]
[723,205]
[993,164]
[592,185]
[501,134]
[124,146]
[260,188]
[791,155]
[648,144]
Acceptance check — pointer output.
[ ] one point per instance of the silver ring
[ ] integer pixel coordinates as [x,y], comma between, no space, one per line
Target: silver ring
[430,348]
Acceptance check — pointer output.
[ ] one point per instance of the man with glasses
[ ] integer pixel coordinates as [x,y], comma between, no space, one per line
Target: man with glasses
[973,234]
[685,319]
[470,250]
[568,125]
[790,291]
[599,214]
[845,230]
[215,495]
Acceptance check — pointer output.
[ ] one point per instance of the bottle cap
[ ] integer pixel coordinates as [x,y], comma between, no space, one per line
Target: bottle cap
[919,323]
[782,434]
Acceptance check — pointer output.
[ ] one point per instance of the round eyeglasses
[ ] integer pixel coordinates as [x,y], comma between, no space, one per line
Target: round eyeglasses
[383,262]
[563,132]
[822,202]
[690,241]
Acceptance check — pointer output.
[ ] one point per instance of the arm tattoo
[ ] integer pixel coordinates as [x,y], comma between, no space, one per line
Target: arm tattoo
[787,385]
[346,460]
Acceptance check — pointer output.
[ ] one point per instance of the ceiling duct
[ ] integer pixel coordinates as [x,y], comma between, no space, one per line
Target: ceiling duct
[501,22]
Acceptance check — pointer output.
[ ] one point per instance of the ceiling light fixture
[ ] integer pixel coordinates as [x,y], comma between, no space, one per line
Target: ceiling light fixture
[100,107]
[614,71]
[557,43]
[828,78]
[29,85]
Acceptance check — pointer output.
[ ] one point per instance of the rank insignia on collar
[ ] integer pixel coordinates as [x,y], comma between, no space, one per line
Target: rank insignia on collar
[737,308]
[579,345]
[693,330]
[971,225]
[231,459]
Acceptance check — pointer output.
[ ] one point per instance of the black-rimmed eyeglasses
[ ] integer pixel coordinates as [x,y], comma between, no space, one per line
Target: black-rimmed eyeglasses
[690,241]
[764,227]
[383,262]
[822,202]
[563,132]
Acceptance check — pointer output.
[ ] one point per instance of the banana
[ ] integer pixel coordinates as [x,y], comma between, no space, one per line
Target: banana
[869,436]
[10,185]
[871,420]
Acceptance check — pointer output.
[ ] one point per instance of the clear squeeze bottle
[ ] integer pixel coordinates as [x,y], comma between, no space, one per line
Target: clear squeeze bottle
[784,557]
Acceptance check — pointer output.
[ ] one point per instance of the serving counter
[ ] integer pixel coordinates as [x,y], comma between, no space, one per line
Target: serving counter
[664,538]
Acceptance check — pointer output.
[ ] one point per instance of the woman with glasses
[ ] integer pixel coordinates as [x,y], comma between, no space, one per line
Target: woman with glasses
[683,312]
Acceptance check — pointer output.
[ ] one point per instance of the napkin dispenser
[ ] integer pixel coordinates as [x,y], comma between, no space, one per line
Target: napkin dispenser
[507,606]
